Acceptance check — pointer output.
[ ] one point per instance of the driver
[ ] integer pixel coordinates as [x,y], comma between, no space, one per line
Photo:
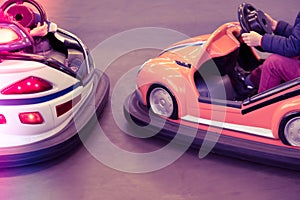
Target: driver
[284,63]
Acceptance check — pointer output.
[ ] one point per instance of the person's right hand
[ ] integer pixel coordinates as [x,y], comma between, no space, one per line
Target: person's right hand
[252,39]
[272,21]
[39,30]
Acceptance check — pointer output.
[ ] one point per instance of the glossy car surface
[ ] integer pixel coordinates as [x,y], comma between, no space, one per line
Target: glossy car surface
[48,84]
[194,82]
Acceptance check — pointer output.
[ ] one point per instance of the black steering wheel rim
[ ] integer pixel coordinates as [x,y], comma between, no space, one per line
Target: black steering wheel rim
[43,17]
[252,19]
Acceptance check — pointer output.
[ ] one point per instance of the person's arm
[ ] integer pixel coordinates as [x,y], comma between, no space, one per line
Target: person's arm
[280,27]
[286,46]
[284,29]
[289,47]
[287,42]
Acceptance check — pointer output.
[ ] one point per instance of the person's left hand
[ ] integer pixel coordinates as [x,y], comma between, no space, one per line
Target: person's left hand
[39,30]
[252,39]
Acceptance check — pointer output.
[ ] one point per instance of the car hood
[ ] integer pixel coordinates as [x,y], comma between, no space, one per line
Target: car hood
[189,51]
[221,42]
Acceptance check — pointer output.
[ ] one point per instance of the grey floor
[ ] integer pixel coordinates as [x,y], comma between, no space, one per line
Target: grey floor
[112,29]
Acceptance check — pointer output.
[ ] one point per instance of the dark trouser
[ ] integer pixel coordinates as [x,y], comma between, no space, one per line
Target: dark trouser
[275,70]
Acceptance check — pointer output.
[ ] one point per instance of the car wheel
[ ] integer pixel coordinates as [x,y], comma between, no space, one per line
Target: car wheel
[289,131]
[163,103]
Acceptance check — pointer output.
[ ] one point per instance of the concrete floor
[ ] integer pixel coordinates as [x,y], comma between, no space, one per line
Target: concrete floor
[92,172]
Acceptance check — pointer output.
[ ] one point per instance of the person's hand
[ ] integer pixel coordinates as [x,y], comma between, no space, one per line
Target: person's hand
[39,30]
[272,21]
[252,39]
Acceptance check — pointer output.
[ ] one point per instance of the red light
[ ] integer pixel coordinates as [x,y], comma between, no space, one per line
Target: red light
[2,119]
[8,36]
[30,85]
[31,118]
[67,106]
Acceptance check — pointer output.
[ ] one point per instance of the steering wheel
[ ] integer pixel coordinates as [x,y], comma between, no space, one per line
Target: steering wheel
[24,14]
[252,19]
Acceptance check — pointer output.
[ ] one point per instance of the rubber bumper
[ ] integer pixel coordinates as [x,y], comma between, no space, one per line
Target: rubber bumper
[66,140]
[267,154]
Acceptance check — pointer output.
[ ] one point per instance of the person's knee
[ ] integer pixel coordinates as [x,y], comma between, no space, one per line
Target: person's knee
[272,62]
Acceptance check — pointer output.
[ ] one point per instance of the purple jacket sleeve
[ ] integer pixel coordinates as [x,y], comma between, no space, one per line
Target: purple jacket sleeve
[285,41]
